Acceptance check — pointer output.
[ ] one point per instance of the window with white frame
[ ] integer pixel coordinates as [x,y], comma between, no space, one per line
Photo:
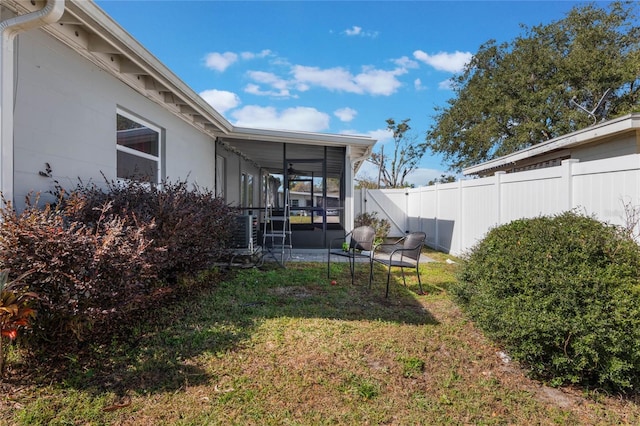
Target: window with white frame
[138,149]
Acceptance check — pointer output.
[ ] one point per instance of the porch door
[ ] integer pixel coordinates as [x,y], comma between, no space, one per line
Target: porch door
[308,191]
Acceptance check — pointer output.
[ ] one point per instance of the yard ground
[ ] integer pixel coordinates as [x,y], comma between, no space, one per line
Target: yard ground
[284,346]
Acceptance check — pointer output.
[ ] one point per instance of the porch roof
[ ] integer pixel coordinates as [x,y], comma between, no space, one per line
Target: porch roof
[89,31]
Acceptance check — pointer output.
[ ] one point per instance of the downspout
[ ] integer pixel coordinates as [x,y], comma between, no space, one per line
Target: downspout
[9,30]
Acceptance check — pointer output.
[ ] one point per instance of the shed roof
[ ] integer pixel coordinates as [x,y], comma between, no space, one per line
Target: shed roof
[587,135]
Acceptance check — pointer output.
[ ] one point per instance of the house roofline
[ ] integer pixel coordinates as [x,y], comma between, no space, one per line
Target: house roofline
[92,33]
[579,137]
[270,135]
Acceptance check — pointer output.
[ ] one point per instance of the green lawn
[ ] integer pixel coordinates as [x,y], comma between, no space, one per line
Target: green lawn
[284,346]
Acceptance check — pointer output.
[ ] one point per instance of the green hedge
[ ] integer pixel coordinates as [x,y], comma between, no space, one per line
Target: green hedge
[562,295]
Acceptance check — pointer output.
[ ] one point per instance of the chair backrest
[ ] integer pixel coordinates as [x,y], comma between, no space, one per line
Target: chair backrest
[362,238]
[414,242]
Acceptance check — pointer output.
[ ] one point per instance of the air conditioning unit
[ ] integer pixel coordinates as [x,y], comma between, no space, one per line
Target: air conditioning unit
[245,232]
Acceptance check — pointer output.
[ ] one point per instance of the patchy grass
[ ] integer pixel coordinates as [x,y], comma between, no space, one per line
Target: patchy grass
[284,346]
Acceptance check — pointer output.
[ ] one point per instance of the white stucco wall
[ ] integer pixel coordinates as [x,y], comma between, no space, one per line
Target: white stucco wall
[65,115]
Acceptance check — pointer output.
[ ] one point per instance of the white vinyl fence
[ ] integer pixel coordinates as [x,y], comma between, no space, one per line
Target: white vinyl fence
[457,215]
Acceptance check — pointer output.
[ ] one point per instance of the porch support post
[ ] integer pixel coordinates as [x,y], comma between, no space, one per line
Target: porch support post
[348,190]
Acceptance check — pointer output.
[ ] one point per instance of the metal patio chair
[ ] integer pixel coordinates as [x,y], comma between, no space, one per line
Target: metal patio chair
[404,253]
[359,246]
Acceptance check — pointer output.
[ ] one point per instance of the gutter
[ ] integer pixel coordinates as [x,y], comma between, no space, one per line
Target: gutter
[9,30]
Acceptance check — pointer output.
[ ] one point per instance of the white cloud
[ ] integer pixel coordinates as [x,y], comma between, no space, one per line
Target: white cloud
[357,31]
[445,84]
[417,84]
[345,114]
[406,62]
[221,100]
[250,55]
[299,118]
[220,61]
[444,61]
[280,85]
[379,82]
[370,81]
[353,31]
[381,135]
[337,79]
[254,89]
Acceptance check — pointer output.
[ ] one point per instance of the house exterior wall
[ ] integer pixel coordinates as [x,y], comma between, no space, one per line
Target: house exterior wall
[65,115]
[612,147]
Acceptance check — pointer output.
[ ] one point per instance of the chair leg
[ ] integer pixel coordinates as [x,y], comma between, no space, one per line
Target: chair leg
[370,273]
[404,281]
[352,267]
[419,282]
[329,263]
[388,278]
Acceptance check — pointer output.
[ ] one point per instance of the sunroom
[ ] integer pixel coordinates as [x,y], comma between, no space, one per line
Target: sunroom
[313,171]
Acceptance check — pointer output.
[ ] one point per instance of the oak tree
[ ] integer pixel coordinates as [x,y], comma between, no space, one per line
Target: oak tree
[551,80]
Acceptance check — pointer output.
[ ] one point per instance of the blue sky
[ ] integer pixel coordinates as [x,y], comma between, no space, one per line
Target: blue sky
[326,66]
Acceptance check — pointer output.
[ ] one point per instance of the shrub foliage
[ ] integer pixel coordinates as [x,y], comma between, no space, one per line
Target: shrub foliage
[382,226]
[562,295]
[97,253]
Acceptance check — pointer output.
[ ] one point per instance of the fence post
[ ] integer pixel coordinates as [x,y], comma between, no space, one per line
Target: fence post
[567,176]
[460,219]
[498,185]
[436,217]
[406,211]
[365,194]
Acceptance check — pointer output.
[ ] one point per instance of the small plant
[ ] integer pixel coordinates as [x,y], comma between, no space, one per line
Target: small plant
[14,311]
[382,226]
[412,367]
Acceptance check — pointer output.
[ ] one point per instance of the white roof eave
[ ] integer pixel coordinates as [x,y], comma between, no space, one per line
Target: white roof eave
[268,135]
[90,15]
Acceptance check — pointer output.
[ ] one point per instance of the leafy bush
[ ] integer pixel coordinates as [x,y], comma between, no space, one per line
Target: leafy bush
[382,226]
[562,295]
[98,254]
[191,228]
[79,272]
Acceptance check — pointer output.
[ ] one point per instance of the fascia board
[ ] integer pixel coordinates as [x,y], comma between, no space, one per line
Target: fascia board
[593,133]
[300,137]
